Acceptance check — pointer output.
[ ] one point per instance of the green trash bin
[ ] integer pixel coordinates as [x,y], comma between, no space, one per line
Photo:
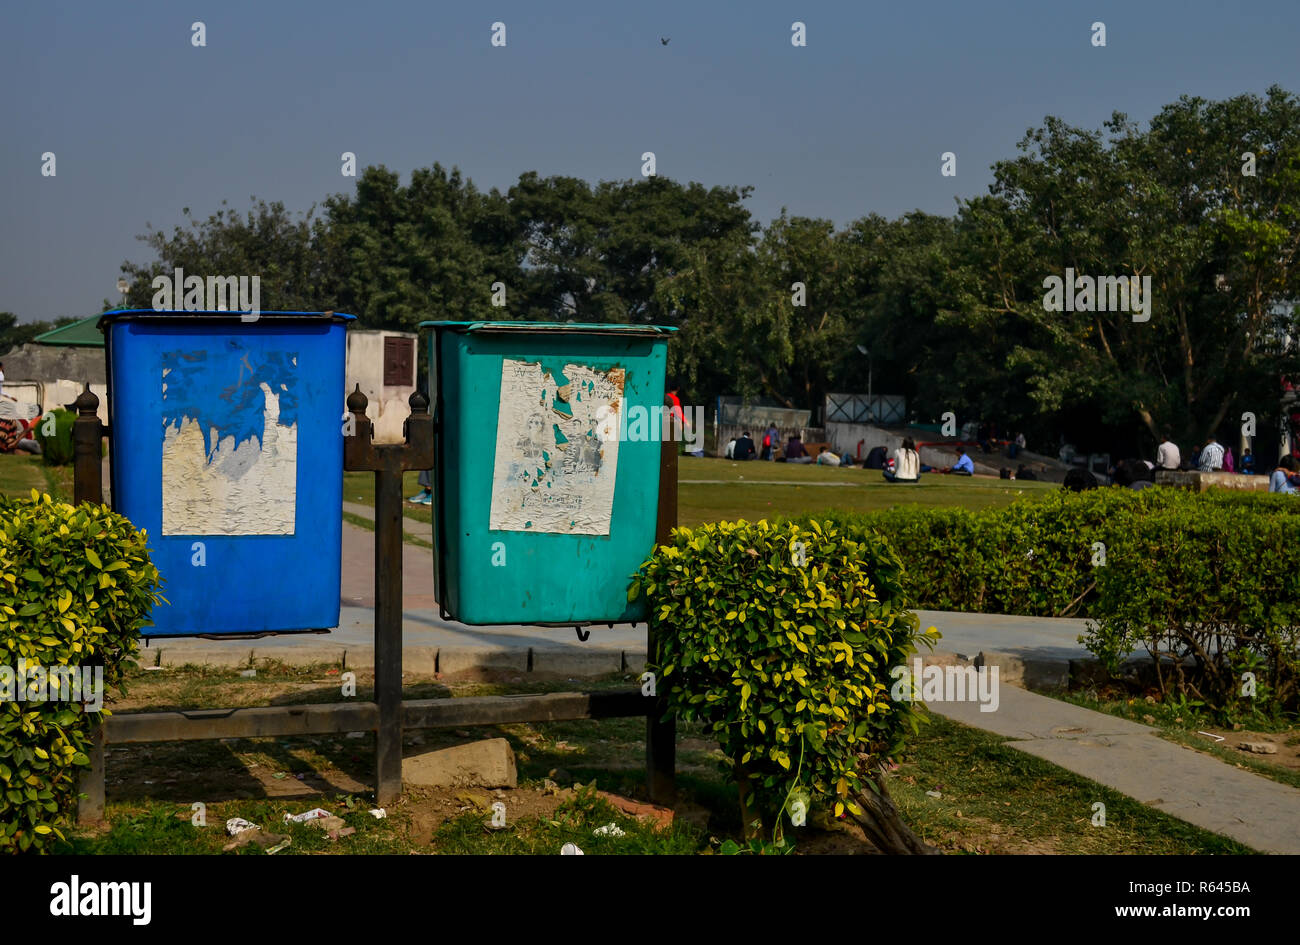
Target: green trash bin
[547,480]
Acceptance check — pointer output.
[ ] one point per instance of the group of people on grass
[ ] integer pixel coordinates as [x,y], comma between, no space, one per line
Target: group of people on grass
[1214,457]
[794,451]
[1210,456]
[904,466]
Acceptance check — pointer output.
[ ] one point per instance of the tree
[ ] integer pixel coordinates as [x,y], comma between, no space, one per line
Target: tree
[600,254]
[430,250]
[13,334]
[733,335]
[1170,203]
[267,242]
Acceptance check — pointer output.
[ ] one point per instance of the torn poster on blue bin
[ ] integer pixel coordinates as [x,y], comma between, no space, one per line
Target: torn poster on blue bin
[230,442]
[557,449]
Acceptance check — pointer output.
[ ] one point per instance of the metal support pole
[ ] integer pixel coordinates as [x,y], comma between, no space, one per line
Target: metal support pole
[87,453]
[661,728]
[90,807]
[388,630]
[88,486]
[388,463]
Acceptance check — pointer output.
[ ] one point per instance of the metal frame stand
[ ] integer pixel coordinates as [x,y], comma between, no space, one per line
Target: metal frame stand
[388,716]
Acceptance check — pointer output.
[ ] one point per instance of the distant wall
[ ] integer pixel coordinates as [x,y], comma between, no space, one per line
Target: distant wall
[388,405]
[844,439]
[736,418]
[34,398]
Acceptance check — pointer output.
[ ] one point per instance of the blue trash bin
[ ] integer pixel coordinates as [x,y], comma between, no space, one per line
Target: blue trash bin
[227,451]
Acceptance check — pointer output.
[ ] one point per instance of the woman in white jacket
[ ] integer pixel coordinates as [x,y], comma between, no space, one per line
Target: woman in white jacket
[907,464]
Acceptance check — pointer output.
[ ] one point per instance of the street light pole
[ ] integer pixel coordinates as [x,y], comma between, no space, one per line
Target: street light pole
[871,407]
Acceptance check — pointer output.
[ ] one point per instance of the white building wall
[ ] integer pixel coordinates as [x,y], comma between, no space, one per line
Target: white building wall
[388,406]
[33,398]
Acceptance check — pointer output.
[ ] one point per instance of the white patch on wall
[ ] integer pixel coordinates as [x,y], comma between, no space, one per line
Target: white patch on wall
[246,488]
[555,468]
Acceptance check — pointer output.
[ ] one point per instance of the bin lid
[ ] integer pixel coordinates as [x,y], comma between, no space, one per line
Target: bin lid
[608,328]
[131,314]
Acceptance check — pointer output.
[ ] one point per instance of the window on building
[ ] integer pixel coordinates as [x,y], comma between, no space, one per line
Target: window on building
[399,362]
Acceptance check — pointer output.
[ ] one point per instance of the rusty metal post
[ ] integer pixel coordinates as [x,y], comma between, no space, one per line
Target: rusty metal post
[661,728]
[88,461]
[90,806]
[388,462]
[88,486]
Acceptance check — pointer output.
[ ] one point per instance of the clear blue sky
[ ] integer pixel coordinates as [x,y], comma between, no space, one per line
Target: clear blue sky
[143,123]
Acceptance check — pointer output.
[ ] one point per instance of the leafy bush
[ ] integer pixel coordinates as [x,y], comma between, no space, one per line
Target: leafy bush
[76,585]
[1033,557]
[780,641]
[56,448]
[1210,597]
[1201,577]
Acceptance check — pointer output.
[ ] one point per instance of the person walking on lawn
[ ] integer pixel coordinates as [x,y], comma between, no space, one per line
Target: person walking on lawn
[425,495]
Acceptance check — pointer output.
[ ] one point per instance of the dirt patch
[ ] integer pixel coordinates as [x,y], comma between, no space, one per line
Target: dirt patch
[232,769]
[1285,744]
[427,809]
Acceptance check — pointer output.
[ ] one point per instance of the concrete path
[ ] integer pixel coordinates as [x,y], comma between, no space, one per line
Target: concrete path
[1047,638]
[1134,760]
[430,643]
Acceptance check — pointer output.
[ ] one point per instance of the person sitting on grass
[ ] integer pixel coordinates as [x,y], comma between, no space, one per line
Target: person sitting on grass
[963,466]
[744,448]
[1079,480]
[907,464]
[15,436]
[1286,477]
[794,451]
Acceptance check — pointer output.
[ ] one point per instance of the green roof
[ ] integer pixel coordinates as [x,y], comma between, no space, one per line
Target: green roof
[84,333]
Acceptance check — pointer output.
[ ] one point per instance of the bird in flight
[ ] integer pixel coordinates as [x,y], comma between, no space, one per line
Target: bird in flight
[664,41]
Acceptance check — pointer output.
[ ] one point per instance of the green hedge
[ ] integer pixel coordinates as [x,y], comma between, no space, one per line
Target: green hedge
[1213,593]
[1033,557]
[76,585]
[1210,577]
[782,641]
[56,442]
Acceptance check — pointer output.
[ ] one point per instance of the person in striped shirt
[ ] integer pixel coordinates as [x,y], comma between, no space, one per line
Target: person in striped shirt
[1211,458]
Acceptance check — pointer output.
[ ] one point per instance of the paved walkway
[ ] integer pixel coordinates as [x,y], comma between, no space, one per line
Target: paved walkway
[1134,760]
[430,643]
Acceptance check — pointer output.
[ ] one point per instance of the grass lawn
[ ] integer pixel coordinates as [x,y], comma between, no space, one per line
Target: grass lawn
[713,490]
[20,473]
[993,799]
[359,487]
[709,489]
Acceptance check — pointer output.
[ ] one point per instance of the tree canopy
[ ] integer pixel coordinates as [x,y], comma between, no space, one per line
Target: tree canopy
[1204,201]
